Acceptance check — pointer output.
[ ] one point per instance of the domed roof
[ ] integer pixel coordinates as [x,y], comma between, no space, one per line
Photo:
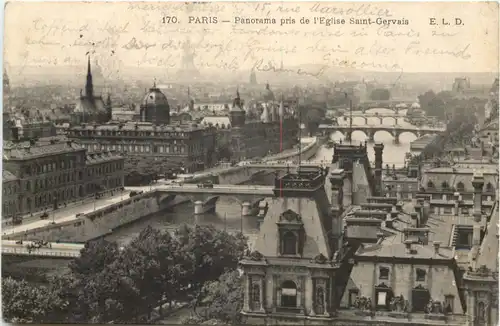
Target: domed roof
[155,97]
[268,94]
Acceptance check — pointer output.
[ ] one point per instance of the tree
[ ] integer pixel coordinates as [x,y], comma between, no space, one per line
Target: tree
[224,298]
[213,252]
[26,303]
[94,257]
[380,94]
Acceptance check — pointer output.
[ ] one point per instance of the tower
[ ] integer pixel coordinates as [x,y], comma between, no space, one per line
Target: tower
[379,149]
[109,111]
[237,113]
[477,183]
[89,86]
[253,77]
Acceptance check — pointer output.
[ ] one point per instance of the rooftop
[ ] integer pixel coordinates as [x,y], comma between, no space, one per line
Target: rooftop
[99,157]
[139,126]
[38,148]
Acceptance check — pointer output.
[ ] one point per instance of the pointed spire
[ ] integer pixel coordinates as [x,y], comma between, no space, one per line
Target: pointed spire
[154,83]
[267,85]
[89,86]
[238,93]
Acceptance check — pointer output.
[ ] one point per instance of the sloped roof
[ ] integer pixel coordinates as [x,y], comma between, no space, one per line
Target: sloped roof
[488,252]
[42,147]
[399,250]
[7,176]
[316,243]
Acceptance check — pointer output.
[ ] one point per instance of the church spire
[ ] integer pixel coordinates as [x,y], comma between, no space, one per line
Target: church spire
[89,86]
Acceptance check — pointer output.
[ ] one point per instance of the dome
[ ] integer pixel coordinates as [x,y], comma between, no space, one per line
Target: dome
[268,94]
[415,106]
[154,107]
[154,97]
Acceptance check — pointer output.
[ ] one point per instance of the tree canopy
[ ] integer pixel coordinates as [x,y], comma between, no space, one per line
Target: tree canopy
[380,94]
[111,284]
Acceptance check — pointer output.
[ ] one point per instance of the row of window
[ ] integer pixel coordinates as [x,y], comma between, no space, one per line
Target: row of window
[460,186]
[135,133]
[420,274]
[46,167]
[143,148]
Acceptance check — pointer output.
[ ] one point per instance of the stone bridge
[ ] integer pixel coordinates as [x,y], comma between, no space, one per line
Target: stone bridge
[381,116]
[393,105]
[52,249]
[205,199]
[370,131]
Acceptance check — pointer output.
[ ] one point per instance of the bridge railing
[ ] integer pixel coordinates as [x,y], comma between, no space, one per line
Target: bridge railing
[23,251]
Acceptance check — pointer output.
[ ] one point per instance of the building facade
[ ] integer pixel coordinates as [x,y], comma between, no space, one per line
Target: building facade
[91,107]
[290,277]
[172,146]
[49,172]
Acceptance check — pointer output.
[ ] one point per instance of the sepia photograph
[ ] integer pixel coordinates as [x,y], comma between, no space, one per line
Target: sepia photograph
[250,163]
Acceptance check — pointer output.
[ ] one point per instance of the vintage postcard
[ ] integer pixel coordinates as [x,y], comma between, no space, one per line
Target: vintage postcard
[228,163]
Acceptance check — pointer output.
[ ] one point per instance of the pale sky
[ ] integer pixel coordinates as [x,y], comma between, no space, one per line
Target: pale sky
[134,34]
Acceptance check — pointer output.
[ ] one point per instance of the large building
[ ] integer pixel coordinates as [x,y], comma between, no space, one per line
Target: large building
[291,276]
[171,146]
[257,129]
[41,174]
[90,107]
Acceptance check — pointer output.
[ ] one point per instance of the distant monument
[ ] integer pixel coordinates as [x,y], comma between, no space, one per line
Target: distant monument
[188,70]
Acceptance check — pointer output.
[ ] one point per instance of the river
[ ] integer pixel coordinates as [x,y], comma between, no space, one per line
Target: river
[228,211]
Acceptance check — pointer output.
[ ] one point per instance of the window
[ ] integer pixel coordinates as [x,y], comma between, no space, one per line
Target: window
[444,185]
[289,244]
[421,275]
[447,210]
[289,294]
[448,303]
[460,187]
[464,238]
[320,301]
[255,295]
[430,185]
[489,187]
[384,273]
[481,313]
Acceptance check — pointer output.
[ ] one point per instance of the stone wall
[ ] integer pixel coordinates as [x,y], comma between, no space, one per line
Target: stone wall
[98,223]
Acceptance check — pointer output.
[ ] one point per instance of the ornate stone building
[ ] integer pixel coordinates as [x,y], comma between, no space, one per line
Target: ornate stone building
[91,107]
[173,146]
[291,275]
[481,277]
[43,174]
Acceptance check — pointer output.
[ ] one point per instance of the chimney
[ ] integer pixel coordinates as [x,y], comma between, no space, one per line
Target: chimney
[379,149]
[437,244]
[477,183]
[388,222]
[457,203]
[337,187]
[394,212]
[418,210]
[408,246]
[414,219]
[426,211]
[398,192]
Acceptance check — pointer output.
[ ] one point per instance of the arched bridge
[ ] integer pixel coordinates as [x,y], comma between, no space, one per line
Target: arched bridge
[394,105]
[370,131]
[387,117]
[51,249]
[205,198]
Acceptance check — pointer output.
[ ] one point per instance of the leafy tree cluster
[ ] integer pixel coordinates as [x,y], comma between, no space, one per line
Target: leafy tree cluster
[112,284]
[380,94]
